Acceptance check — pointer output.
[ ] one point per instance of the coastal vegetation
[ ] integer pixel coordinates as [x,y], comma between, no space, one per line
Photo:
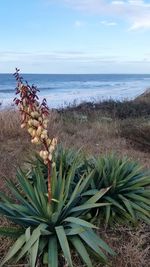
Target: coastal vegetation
[98,212]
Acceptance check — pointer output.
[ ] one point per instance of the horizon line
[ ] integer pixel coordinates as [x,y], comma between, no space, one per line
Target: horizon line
[39,73]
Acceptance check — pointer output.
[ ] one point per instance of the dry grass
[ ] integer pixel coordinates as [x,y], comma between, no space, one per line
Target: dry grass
[96,134]
[131,245]
[137,132]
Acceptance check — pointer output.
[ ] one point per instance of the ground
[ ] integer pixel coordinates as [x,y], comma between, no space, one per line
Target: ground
[98,130]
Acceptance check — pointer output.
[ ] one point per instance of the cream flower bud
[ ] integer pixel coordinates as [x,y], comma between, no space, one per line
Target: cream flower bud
[45,122]
[35,114]
[32,114]
[41,153]
[30,130]
[44,132]
[40,119]
[35,123]
[45,162]
[45,154]
[30,122]
[54,142]
[44,116]
[23,125]
[48,141]
[35,140]
[23,117]
[51,148]
[33,133]
[42,136]
[45,125]
[39,130]
[50,157]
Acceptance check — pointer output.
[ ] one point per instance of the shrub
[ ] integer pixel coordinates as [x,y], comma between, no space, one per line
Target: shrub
[113,108]
[130,109]
[52,228]
[129,193]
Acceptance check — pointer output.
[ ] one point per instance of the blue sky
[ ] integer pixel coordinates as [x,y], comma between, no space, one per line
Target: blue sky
[75,36]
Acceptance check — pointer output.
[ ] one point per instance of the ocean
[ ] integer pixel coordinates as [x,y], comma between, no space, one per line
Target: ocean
[64,89]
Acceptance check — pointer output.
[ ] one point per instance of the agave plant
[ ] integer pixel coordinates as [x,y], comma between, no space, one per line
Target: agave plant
[52,229]
[129,193]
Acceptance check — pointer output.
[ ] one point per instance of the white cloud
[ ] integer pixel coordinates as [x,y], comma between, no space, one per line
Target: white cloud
[117,2]
[75,56]
[135,12]
[136,2]
[67,61]
[142,23]
[68,56]
[108,23]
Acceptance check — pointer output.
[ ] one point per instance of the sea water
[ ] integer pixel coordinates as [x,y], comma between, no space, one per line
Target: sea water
[64,89]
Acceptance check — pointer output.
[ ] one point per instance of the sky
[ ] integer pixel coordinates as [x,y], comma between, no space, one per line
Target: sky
[75,36]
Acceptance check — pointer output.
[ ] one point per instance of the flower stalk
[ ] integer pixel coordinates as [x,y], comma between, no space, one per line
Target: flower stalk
[34,118]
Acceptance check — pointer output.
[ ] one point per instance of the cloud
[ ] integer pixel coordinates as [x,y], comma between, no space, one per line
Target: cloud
[67,57]
[10,56]
[67,61]
[135,12]
[108,23]
[51,56]
[143,23]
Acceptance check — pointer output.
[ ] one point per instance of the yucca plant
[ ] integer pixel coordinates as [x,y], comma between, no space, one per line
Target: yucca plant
[119,175]
[51,205]
[129,193]
[52,229]
[34,119]
[64,157]
[67,156]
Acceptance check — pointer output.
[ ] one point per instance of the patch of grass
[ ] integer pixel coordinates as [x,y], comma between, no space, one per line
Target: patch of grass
[131,245]
[137,132]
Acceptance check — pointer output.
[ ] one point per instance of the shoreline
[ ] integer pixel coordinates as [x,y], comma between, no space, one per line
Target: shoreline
[63,90]
[91,103]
